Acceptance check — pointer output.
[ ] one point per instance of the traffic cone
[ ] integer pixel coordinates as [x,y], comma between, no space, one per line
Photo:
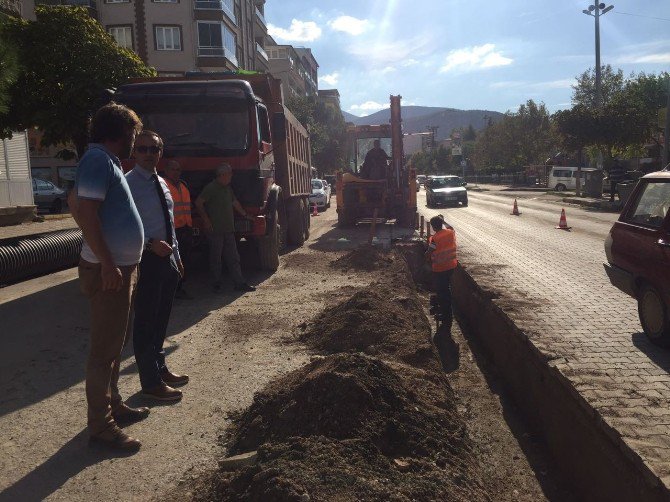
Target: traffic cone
[515,209]
[563,223]
[315,211]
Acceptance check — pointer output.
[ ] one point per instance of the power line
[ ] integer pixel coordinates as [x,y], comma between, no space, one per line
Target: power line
[641,15]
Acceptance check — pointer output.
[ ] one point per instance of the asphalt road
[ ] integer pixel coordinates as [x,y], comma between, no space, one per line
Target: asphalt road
[552,283]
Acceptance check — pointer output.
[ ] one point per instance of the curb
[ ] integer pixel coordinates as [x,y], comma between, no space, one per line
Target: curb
[596,204]
[592,456]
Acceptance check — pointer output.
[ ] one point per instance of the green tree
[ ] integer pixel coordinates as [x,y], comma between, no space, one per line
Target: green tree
[68,61]
[584,91]
[519,139]
[327,131]
[9,70]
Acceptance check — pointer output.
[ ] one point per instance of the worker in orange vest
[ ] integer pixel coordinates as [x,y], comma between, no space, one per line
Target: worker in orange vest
[182,218]
[442,255]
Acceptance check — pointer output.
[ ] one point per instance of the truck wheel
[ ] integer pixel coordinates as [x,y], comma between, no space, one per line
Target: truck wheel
[268,248]
[407,218]
[653,314]
[304,204]
[296,223]
[344,219]
[560,187]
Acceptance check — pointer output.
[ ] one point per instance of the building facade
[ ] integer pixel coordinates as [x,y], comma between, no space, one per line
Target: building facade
[296,67]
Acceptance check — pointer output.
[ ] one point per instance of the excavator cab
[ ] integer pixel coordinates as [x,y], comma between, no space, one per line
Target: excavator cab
[389,191]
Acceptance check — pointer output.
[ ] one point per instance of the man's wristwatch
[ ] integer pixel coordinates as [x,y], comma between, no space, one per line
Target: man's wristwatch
[149,244]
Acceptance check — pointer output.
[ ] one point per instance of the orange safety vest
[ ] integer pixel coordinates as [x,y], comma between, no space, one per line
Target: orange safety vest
[443,258]
[182,204]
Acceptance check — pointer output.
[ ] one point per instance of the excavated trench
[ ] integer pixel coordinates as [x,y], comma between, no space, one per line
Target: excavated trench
[371,417]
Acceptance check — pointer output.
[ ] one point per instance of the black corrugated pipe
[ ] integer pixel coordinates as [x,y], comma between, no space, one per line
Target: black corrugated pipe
[34,255]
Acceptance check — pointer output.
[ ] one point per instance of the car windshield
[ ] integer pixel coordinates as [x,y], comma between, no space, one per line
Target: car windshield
[219,129]
[652,206]
[445,182]
[316,185]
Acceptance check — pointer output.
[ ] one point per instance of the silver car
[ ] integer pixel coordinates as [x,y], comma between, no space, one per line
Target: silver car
[48,197]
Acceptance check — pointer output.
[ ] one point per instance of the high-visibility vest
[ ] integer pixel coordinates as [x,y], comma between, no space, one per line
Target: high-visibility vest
[443,258]
[182,204]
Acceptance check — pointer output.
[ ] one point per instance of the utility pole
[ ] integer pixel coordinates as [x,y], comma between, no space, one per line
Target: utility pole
[596,10]
[666,131]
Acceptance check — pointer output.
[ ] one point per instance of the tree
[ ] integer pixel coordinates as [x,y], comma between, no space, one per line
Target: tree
[519,139]
[68,61]
[9,70]
[327,131]
[611,84]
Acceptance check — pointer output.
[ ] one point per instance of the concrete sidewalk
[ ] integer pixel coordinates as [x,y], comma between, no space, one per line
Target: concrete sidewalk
[51,223]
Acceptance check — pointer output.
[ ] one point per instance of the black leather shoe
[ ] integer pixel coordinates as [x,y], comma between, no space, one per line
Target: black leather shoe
[245,287]
[125,415]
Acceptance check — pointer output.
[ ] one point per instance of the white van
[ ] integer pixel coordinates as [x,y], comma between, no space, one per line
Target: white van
[563,178]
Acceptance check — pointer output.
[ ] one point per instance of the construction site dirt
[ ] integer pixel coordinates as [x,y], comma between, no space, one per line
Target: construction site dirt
[374,416]
[328,372]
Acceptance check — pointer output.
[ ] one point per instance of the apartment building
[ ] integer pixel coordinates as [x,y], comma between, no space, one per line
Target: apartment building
[176,36]
[295,66]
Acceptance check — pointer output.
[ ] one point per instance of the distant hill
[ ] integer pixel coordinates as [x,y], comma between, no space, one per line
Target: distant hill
[417,118]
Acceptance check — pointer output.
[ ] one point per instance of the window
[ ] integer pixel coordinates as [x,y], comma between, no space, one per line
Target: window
[168,38]
[652,206]
[226,6]
[263,124]
[123,35]
[117,1]
[214,39]
[165,1]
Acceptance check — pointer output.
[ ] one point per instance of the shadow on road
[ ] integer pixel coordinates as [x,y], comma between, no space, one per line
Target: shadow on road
[72,458]
[658,355]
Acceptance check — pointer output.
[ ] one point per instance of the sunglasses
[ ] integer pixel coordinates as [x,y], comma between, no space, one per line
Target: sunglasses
[151,149]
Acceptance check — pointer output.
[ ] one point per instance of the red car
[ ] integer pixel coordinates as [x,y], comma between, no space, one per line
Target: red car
[638,254]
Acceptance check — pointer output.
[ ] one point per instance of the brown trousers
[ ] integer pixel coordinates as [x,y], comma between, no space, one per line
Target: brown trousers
[110,312]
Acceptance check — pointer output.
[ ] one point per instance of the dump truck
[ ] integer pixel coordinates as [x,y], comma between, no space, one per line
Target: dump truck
[206,119]
[390,197]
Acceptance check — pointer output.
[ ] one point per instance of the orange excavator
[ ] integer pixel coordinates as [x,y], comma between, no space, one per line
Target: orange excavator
[390,197]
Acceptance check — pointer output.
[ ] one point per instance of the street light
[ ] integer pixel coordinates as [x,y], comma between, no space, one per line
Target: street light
[596,10]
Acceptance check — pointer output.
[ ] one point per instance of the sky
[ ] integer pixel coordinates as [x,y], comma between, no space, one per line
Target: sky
[467,54]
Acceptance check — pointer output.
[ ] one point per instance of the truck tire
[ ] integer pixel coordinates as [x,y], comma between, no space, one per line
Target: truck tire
[306,217]
[344,219]
[268,247]
[407,218]
[296,222]
[653,314]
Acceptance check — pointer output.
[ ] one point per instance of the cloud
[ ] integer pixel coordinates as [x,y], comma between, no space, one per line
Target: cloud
[388,69]
[565,83]
[299,31]
[409,62]
[350,25]
[383,54]
[659,58]
[475,58]
[369,106]
[330,79]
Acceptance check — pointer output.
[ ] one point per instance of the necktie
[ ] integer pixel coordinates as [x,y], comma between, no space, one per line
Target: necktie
[166,211]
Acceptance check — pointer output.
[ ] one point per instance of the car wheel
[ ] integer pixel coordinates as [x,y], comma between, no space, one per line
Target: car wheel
[653,314]
[57,206]
[465,203]
[429,202]
[560,187]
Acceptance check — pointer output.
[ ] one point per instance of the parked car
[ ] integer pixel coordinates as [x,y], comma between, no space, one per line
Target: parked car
[319,195]
[563,178]
[638,254]
[328,189]
[446,190]
[48,197]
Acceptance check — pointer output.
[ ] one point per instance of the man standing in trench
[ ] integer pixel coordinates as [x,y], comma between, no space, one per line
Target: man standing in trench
[442,255]
[102,206]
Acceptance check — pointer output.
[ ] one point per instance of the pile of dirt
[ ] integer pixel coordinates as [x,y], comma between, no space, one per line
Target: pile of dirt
[367,258]
[351,427]
[381,319]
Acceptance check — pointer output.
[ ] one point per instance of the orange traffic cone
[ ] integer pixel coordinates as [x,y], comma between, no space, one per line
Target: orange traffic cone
[315,211]
[515,209]
[563,223]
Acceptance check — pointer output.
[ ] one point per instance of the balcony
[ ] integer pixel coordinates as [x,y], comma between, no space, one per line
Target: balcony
[261,51]
[11,7]
[217,52]
[260,18]
[220,5]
